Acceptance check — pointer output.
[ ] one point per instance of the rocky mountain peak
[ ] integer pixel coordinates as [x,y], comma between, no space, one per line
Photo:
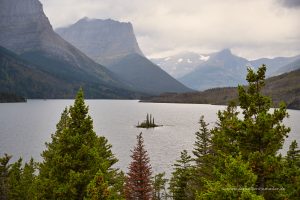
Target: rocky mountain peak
[102,40]
[224,53]
[22,23]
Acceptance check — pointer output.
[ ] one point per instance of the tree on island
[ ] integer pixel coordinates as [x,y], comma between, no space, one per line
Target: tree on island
[138,181]
[148,123]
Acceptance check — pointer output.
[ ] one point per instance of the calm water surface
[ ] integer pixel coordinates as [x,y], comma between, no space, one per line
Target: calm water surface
[25,127]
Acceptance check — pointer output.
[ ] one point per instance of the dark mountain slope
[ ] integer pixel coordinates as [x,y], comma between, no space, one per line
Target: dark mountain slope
[23,78]
[146,76]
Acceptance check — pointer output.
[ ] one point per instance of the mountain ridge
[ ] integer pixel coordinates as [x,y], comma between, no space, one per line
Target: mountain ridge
[131,66]
[284,87]
[87,35]
[26,30]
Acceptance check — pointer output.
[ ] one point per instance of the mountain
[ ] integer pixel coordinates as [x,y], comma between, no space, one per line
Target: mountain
[285,87]
[102,40]
[180,64]
[19,76]
[95,37]
[26,31]
[146,76]
[289,67]
[276,66]
[23,78]
[220,70]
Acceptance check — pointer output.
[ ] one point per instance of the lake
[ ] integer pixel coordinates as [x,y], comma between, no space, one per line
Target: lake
[25,127]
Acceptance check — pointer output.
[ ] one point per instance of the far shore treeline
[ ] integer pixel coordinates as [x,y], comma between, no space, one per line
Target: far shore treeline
[236,159]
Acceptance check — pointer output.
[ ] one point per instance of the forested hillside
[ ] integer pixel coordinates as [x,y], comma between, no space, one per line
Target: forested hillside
[285,87]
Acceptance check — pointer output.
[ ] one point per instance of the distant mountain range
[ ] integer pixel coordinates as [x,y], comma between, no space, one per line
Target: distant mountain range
[220,69]
[114,44]
[181,63]
[285,87]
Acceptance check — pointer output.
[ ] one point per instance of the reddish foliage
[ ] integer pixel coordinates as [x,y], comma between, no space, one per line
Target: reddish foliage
[138,180]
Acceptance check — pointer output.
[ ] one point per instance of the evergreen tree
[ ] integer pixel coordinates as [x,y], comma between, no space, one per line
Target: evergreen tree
[293,155]
[28,180]
[290,176]
[233,180]
[181,176]
[202,146]
[14,181]
[74,156]
[258,135]
[147,120]
[159,186]
[138,181]
[4,172]
[203,160]
[98,188]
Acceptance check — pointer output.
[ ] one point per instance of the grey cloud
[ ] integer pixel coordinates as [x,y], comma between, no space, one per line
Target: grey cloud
[251,27]
[291,3]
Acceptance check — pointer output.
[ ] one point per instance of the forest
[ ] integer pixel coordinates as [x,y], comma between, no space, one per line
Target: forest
[236,159]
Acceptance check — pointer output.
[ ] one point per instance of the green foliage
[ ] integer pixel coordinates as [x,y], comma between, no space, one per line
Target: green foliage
[159,186]
[17,182]
[181,176]
[257,136]
[233,180]
[98,188]
[74,156]
[4,175]
[290,175]
[202,146]
[203,158]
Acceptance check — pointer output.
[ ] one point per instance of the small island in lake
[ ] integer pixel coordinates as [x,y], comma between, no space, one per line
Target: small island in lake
[148,123]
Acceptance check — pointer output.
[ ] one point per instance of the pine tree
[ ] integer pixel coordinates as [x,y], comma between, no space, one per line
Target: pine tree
[202,146]
[147,120]
[28,180]
[98,188]
[203,160]
[4,173]
[138,181]
[181,176]
[233,180]
[74,156]
[257,135]
[293,155]
[290,175]
[159,186]
[14,179]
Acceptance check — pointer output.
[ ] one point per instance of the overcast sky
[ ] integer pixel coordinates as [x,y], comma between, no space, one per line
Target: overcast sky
[251,28]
